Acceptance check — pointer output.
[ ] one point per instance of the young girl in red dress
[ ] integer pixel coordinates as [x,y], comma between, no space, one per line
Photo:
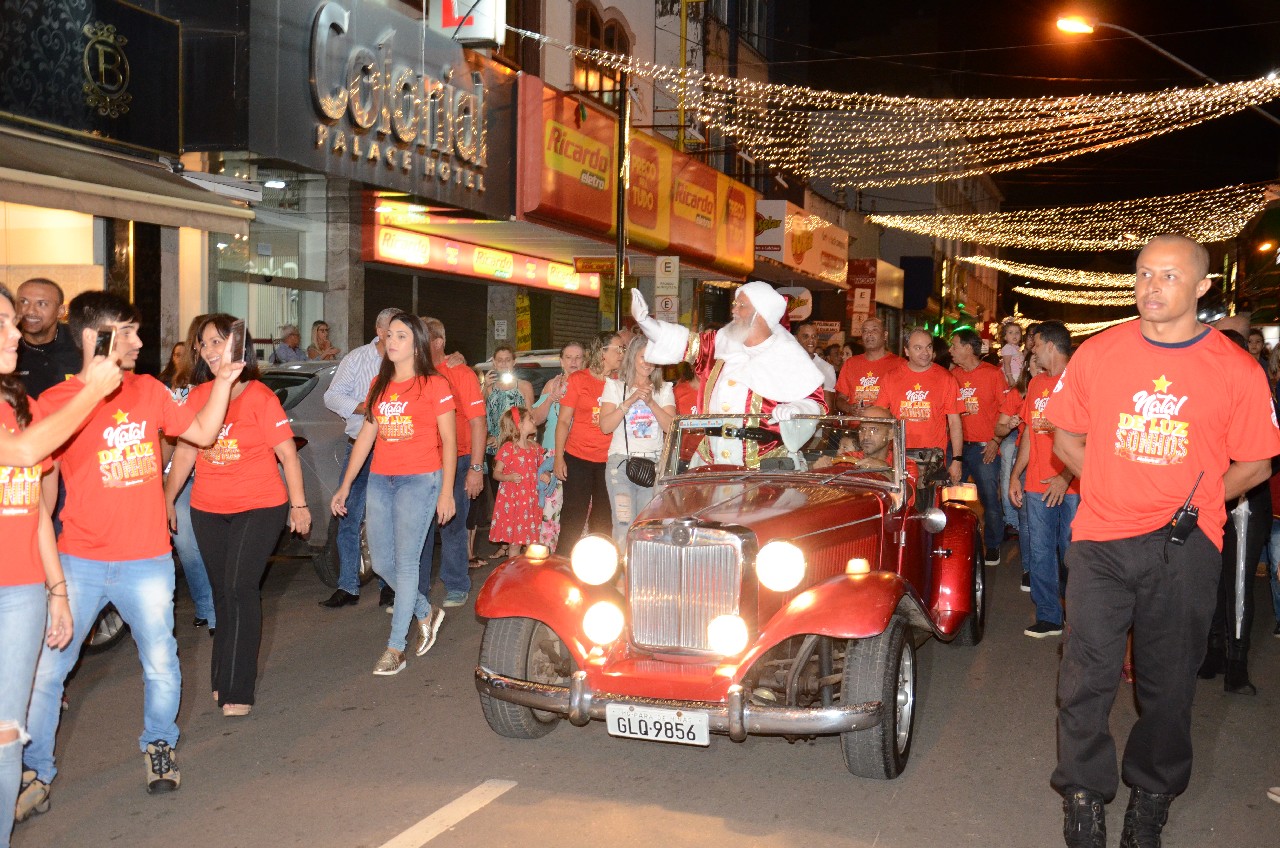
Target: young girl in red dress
[516,516]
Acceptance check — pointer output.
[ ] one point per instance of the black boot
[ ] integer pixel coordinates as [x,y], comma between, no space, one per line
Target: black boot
[1144,818]
[1236,679]
[1084,819]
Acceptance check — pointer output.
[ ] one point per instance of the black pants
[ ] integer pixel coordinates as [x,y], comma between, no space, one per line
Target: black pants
[1114,586]
[586,502]
[235,547]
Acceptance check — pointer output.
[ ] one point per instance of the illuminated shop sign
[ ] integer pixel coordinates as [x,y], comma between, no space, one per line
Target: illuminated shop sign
[450,256]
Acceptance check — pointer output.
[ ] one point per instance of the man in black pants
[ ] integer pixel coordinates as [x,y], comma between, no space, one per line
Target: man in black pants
[1184,413]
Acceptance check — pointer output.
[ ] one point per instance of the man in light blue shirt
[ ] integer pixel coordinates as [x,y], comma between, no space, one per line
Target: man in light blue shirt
[290,347]
[346,398]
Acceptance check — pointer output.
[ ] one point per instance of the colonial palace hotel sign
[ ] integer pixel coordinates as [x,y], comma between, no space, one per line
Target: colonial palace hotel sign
[388,115]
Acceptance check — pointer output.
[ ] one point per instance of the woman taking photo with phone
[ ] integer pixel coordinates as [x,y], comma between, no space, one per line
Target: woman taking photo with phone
[238,505]
[409,426]
[30,571]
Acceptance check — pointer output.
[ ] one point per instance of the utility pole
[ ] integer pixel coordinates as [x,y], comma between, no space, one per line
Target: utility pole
[624,180]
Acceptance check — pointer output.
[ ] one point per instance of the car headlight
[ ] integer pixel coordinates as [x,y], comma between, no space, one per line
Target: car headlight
[603,622]
[727,634]
[594,560]
[780,566]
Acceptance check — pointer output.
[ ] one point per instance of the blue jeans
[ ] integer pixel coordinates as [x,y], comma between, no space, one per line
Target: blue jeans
[1008,456]
[987,476]
[626,498]
[349,528]
[142,591]
[1050,531]
[22,618]
[184,544]
[454,568]
[1274,562]
[401,508]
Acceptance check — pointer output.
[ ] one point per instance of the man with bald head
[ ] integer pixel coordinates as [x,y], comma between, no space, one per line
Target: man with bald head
[1149,414]
[927,397]
[861,376]
[47,354]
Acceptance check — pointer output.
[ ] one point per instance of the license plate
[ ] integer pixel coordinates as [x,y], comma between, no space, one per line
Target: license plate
[684,727]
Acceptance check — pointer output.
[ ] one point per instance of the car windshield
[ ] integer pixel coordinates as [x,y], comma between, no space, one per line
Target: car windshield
[845,445]
[290,386]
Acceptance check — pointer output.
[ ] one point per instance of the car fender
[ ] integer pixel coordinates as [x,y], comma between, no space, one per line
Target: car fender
[850,606]
[951,577]
[546,591]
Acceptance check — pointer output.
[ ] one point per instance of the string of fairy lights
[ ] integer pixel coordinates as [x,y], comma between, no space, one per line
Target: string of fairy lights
[1061,276]
[868,140]
[1079,298]
[1205,216]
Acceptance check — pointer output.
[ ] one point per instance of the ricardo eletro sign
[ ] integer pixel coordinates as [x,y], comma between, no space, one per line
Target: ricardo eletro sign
[355,89]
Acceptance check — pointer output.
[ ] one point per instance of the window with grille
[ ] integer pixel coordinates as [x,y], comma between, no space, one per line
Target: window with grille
[591,30]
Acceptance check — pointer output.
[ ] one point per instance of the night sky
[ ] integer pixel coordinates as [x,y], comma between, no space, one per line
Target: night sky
[981,48]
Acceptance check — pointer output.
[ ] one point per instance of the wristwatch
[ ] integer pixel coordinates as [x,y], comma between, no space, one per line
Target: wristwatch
[479,469]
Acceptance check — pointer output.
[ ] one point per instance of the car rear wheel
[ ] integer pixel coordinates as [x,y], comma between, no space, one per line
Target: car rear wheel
[107,631]
[881,668]
[528,650]
[327,563]
[975,626]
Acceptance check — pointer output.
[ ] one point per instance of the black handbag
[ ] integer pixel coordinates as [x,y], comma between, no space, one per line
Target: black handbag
[641,471]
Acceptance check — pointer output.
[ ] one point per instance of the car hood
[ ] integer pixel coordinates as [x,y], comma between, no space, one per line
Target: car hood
[770,506]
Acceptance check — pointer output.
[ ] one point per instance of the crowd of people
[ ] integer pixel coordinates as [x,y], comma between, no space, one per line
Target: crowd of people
[103,467]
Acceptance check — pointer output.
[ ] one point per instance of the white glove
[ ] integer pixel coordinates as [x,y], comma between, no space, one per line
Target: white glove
[640,312]
[782,412]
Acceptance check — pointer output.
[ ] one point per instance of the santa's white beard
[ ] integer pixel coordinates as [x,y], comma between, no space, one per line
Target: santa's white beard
[736,330]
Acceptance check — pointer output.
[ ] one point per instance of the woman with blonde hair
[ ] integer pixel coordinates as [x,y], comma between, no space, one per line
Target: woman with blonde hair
[637,409]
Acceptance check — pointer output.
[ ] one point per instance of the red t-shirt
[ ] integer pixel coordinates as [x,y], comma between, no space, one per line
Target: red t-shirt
[1154,417]
[115,507]
[238,472]
[923,400]
[1011,405]
[468,400]
[981,391]
[582,395]
[1041,463]
[20,512]
[686,398]
[861,378]
[408,434]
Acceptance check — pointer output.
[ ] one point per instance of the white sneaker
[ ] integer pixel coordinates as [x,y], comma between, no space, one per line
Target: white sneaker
[1274,794]
[428,628]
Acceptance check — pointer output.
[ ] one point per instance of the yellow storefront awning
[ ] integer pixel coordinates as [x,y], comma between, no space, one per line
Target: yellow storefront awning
[59,175]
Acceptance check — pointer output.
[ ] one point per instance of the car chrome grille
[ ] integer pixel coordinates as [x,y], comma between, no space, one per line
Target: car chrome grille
[676,590]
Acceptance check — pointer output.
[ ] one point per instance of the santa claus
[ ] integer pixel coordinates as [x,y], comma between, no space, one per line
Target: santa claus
[751,367]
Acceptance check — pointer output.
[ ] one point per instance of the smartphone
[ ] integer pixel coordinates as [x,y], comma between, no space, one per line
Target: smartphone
[507,378]
[105,343]
[237,342]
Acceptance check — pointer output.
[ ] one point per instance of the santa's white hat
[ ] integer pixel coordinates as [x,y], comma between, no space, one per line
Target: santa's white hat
[766,301]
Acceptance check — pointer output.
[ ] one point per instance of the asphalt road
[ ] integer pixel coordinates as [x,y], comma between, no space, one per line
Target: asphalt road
[332,756]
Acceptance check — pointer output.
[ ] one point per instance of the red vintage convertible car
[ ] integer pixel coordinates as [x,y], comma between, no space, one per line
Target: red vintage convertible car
[785,597]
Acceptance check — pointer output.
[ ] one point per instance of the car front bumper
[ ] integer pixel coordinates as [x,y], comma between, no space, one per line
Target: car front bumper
[736,717]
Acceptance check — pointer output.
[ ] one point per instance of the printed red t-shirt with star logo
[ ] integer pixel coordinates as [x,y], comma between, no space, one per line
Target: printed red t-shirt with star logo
[1154,417]
[20,511]
[861,378]
[408,433]
[923,400]
[115,508]
[981,391]
[1042,463]
[238,472]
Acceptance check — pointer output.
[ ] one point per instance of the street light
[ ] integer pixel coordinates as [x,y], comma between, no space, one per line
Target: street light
[1079,25]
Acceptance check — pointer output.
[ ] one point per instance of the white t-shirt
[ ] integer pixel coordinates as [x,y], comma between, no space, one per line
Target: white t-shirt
[644,434]
[828,373]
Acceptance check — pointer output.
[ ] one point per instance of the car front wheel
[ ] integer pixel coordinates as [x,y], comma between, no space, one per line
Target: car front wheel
[527,650]
[881,668]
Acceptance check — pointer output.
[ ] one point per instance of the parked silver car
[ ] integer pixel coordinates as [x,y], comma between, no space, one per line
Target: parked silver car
[300,386]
